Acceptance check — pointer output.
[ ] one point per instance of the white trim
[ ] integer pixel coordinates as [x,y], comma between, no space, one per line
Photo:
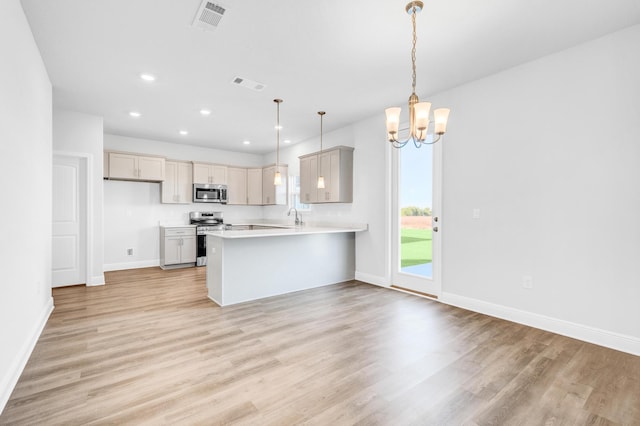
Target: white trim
[9,381]
[582,332]
[88,162]
[131,265]
[372,279]
[96,280]
[419,283]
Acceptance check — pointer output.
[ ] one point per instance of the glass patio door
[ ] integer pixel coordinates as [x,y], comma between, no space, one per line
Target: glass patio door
[417,226]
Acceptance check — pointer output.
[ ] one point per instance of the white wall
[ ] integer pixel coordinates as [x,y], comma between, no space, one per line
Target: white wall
[549,153]
[81,134]
[132,210]
[25,173]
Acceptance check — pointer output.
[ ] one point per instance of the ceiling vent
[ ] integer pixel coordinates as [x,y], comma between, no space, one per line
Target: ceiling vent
[249,84]
[208,16]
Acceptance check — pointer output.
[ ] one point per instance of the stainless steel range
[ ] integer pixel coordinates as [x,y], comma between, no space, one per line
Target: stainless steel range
[205,222]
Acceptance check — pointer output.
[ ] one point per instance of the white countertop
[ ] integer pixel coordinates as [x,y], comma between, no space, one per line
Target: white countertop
[177,226]
[284,230]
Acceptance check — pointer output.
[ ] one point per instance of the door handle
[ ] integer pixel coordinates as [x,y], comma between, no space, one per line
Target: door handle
[435,229]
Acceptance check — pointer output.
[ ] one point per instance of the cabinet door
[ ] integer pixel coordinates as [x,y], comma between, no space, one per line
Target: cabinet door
[268,188]
[309,179]
[170,182]
[218,175]
[330,169]
[172,250]
[123,166]
[188,250]
[151,168]
[184,184]
[237,185]
[254,186]
[201,173]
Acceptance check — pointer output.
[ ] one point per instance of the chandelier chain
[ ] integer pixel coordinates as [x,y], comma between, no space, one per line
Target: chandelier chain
[413,49]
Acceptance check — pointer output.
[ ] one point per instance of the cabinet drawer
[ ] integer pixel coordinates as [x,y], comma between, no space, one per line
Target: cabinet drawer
[177,232]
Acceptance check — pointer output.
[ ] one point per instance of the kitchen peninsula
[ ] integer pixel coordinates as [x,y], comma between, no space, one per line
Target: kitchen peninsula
[244,265]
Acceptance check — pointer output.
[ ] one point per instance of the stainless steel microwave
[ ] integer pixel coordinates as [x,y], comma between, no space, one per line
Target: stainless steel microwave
[209,193]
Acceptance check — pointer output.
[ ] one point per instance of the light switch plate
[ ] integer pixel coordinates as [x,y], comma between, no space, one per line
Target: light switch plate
[476,213]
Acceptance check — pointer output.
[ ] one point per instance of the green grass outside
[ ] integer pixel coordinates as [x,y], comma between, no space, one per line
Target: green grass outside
[415,246]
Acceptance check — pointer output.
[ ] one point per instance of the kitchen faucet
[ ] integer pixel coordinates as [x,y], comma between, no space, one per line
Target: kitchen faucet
[298,220]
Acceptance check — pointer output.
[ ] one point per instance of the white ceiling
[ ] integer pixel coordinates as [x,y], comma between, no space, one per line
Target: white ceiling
[350,58]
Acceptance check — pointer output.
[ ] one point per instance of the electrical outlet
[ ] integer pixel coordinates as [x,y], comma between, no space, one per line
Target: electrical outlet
[527,282]
[129,252]
[476,213]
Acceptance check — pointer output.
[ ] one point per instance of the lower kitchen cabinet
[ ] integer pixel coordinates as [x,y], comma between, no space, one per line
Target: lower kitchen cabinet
[177,247]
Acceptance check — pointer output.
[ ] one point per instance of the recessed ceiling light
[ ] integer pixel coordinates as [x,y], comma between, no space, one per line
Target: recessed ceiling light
[135,114]
[205,112]
[184,132]
[148,77]
[287,141]
[247,142]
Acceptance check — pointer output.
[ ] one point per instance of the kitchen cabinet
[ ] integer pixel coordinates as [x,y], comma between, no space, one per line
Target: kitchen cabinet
[177,247]
[336,166]
[274,194]
[309,179]
[237,185]
[177,187]
[209,173]
[254,187]
[136,167]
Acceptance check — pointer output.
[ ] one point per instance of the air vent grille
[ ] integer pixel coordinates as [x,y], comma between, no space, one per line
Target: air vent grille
[249,84]
[209,15]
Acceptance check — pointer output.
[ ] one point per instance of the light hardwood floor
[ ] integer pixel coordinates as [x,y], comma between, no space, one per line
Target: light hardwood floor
[150,348]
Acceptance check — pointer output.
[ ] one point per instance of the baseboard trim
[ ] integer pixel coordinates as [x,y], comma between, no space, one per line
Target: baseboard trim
[582,332]
[131,265]
[96,280]
[9,381]
[372,279]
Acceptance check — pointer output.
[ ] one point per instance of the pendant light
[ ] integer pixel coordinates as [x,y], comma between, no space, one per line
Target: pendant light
[321,178]
[418,111]
[277,178]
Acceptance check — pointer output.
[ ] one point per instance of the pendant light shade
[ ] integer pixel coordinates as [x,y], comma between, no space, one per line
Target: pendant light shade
[277,178]
[321,178]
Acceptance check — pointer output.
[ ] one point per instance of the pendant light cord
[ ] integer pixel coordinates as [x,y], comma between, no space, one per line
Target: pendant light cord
[413,49]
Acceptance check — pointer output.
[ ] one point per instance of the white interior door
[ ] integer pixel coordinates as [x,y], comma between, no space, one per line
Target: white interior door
[417,222]
[69,221]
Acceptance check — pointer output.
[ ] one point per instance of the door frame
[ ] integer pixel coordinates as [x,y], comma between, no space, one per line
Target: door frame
[87,160]
[428,286]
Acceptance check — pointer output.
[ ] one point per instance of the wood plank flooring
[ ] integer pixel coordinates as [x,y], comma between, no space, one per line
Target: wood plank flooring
[150,348]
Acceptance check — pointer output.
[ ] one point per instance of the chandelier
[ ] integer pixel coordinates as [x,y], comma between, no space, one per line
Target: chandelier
[418,111]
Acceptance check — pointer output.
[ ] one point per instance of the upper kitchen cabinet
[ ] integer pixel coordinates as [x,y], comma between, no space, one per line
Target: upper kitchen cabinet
[308,179]
[336,166]
[237,185]
[209,173]
[178,184]
[254,187]
[136,167]
[274,194]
